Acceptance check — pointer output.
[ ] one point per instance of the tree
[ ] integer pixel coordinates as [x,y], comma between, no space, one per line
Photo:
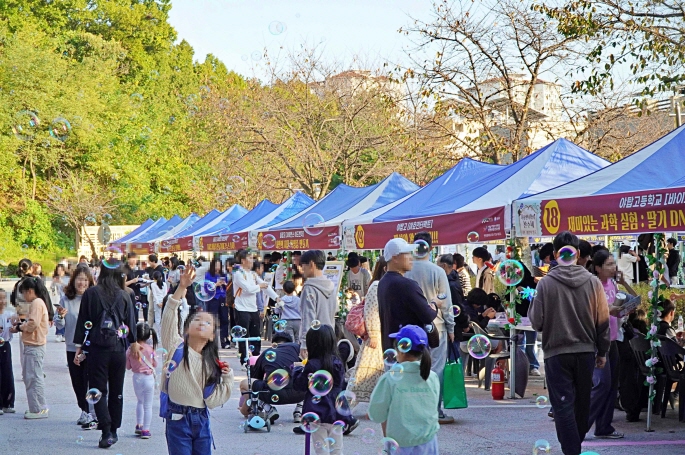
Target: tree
[648,36]
[490,58]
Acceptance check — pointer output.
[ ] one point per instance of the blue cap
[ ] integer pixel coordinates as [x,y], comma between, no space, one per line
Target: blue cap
[416,335]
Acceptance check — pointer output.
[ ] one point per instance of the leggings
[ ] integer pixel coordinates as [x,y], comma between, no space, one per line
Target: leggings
[79,381]
[144,387]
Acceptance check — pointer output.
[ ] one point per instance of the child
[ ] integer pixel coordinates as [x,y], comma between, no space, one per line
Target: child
[288,309]
[195,380]
[143,367]
[323,355]
[407,406]
[158,290]
[7,320]
[57,289]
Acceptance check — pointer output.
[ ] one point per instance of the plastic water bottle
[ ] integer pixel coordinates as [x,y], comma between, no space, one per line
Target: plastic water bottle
[680,323]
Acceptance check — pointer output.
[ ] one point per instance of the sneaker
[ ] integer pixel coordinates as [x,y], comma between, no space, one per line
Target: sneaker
[8,410]
[550,414]
[81,420]
[534,372]
[444,418]
[57,339]
[350,428]
[36,415]
[145,434]
[1,412]
[105,441]
[614,435]
[272,415]
[87,420]
[114,437]
[139,429]
[64,339]
[297,416]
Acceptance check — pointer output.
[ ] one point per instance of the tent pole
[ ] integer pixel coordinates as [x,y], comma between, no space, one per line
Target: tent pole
[512,352]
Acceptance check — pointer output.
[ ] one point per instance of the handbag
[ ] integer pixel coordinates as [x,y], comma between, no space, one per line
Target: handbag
[454,388]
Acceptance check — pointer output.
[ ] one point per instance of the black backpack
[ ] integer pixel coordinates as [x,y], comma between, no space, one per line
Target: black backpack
[111,318]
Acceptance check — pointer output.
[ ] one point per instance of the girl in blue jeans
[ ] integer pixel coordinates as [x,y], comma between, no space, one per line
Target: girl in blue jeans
[191,360]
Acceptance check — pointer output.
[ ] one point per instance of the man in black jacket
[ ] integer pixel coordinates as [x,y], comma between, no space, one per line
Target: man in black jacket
[673,258]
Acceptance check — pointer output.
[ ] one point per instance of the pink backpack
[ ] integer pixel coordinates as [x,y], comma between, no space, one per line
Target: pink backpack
[355,321]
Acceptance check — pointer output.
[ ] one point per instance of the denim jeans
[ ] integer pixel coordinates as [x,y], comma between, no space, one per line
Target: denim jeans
[569,380]
[604,392]
[187,431]
[531,338]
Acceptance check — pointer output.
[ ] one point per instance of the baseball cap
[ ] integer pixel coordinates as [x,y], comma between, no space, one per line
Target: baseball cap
[416,335]
[397,246]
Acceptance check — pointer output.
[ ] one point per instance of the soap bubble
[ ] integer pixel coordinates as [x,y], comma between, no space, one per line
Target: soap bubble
[441,296]
[2,342]
[310,422]
[321,383]
[274,318]
[389,357]
[343,402]
[122,332]
[396,371]
[93,396]
[238,331]
[24,247]
[88,325]
[311,222]
[509,272]
[269,241]
[456,309]
[315,325]
[136,100]
[479,346]
[278,379]
[256,56]
[567,255]
[112,257]
[204,291]
[279,326]
[79,440]
[274,398]
[25,125]
[270,356]
[541,446]
[277,27]
[60,128]
[422,249]
[316,399]
[404,345]
[368,435]
[389,445]
[541,401]
[472,237]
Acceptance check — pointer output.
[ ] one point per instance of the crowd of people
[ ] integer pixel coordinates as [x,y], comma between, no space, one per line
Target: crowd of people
[121,314]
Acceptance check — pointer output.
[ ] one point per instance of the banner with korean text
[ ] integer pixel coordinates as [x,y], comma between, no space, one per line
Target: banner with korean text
[314,238]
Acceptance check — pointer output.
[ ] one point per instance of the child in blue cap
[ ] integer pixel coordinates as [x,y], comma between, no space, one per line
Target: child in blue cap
[405,400]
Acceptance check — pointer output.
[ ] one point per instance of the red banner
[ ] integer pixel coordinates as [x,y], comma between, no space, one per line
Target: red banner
[325,238]
[142,248]
[228,242]
[623,213]
[175,245]
[469,227]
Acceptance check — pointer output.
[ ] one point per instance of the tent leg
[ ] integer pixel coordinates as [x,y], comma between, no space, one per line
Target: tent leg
[650,403]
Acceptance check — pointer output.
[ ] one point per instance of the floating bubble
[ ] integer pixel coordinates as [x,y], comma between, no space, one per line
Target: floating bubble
[154,74]
[472,237]
[122,332]
[389,445]
[270,356]
[541,401]
[161,352]
[251,347]
[368,435]
[429,328]
[245,57]
[87,343]
[256,56]
[268,241]
[93,396]
[238,331]
[339,427]
[422,249]
[170,367]
[310,422]
[205,290]
[311,222]
[389,357]
[25,125]
[479,346]
[277,27]
[112,257]
[279,326]
[60,129]
[316,399]
[24,247]
[567,256]
[541,446]
[441,296]
[344,401]
[88,325]
[79,440]
[456,309]
[274,398]
[136,100]
[93,425]
[278,379]
[329,445]
[509,272]
[404,345]
[321,383]
[315,325]
[274,317]
[396,371]
[2,342]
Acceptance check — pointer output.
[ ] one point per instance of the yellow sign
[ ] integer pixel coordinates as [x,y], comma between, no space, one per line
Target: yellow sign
[259,240]
[551,217]
[359,236]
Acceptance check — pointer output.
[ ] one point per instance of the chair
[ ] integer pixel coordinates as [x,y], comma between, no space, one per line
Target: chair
[671,354]
[640,345]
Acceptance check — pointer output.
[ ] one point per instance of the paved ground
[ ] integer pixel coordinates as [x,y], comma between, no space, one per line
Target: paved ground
[486,427]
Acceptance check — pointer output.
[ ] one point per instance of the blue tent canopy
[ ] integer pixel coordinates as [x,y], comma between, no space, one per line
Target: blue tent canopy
[152,228]
[137,231]
[289,208]
[259,212]
[223,221]
[159,231]
[199,224]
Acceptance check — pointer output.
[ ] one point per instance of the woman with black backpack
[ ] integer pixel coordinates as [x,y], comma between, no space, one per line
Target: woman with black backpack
[105,327]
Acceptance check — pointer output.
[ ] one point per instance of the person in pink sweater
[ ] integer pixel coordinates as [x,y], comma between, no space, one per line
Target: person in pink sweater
[143,368]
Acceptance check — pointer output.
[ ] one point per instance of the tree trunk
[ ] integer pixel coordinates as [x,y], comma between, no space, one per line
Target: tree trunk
[34,182]
[90,242]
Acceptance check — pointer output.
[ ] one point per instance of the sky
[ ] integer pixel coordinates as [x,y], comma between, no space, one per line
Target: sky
[238,31]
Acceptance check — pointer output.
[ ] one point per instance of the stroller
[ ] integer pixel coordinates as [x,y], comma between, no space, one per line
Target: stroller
[257,417]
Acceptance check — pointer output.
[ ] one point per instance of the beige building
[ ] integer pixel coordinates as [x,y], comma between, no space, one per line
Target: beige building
[116,232]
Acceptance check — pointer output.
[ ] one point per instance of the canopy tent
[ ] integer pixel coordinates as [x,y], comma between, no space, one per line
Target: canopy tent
[468,203]
[265,214]
[144,243]
[154,227]
[644,192]
[324,218]
[183,241]
[187,223]
[119,243]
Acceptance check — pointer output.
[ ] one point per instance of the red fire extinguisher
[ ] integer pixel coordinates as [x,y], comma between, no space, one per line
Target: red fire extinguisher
[497,385]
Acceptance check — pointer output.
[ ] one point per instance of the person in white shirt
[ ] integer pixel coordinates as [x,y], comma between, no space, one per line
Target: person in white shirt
[485,279]
[626,259]
[358,278]
[7,320]
[158,290]
[246,285]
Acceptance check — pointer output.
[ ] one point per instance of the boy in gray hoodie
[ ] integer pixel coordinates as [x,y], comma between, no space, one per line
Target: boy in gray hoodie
[571,311]
[319,299]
